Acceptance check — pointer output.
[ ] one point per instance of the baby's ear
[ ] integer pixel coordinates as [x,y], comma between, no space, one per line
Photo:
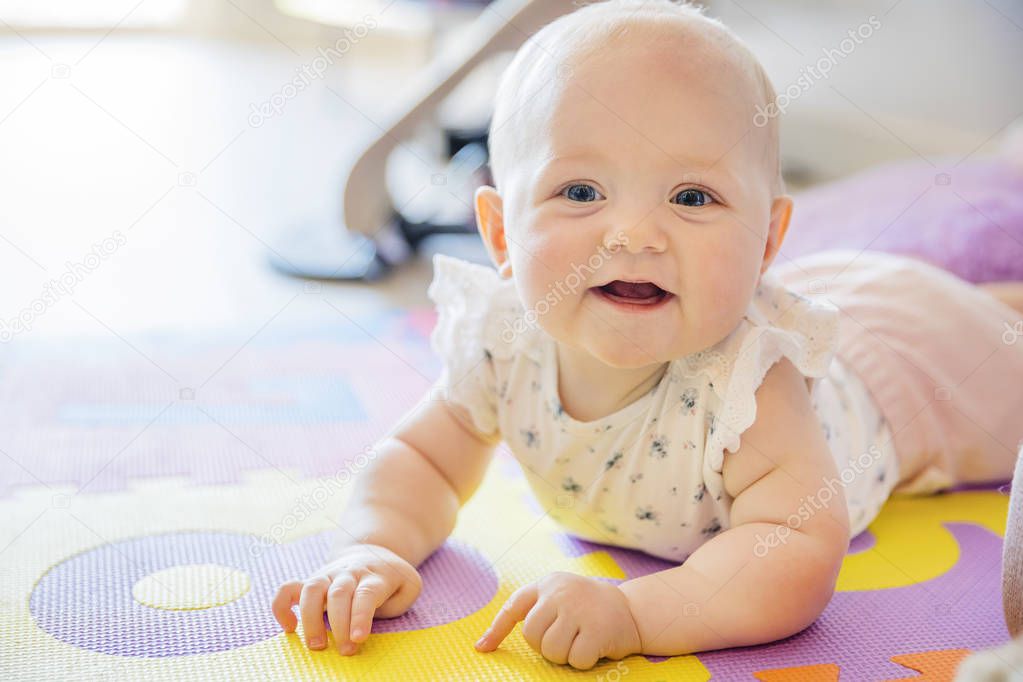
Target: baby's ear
[781,212]
[490,222]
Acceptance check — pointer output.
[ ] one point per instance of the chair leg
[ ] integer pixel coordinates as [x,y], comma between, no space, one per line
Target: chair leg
[1012,555]
[503,26]
[1005,662]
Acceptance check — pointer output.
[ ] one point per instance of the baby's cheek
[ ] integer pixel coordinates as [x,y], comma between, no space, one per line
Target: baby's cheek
[538,293]
[724,296]
[543,270]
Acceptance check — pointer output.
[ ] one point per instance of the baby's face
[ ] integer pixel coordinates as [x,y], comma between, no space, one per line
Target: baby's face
[639,225]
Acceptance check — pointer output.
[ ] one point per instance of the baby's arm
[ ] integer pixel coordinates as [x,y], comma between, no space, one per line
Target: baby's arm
[408,498]
[736,589]
[403,507]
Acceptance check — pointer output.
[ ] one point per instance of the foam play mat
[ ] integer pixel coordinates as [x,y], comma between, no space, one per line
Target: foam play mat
[151,504]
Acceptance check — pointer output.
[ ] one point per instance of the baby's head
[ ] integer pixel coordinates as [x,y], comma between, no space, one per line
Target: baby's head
[637,202]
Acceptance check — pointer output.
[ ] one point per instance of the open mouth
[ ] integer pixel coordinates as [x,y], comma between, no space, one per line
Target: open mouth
[633,293]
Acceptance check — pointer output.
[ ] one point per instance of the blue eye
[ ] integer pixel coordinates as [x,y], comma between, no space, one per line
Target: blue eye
[693,197]
[580,193]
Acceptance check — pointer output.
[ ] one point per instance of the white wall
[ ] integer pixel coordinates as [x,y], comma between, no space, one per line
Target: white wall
[938,77]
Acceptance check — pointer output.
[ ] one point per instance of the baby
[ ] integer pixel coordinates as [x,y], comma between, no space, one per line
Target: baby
[661,387]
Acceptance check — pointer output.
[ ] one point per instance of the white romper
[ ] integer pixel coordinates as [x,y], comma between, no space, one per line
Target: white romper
[648,476]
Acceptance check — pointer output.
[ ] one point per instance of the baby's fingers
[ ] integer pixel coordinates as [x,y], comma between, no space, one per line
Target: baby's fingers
[287,596]
[514,610]
[370,593]
[311,608]
[339,609]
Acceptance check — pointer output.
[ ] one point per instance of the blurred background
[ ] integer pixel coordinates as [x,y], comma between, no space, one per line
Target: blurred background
[195,137]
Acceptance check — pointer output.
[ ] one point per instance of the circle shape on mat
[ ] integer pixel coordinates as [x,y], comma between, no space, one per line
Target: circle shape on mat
[191,587]
[88,599]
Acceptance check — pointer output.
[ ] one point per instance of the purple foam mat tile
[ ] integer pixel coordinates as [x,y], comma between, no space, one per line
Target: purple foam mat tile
[960,609]
[861,631]
[94,416]
[862,542]
[1002,486]
[86,600]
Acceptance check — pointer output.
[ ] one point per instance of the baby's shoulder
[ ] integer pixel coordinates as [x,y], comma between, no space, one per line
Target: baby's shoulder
[785,433]
[779,325]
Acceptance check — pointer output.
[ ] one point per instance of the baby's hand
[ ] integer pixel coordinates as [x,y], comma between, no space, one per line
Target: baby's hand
[363,579]
[568,618]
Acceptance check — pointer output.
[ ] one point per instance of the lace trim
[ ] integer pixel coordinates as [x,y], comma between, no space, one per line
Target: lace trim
[804,330]
[477,310]
[713,364]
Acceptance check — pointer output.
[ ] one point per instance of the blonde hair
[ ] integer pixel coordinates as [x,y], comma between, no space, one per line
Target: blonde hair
[546,59]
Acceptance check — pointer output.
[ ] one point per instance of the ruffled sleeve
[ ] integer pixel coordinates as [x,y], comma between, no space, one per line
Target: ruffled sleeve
[779,323]
[476,329]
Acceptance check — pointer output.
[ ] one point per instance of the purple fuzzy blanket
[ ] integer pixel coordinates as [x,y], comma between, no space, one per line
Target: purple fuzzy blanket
[966,217]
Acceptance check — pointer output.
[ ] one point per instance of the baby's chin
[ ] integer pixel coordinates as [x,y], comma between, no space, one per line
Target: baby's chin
[618,351]
[627,355]
[634,360]
[637,348]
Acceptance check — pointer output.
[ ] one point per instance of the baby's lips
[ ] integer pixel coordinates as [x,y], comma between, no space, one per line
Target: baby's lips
[626,280]
[633,289]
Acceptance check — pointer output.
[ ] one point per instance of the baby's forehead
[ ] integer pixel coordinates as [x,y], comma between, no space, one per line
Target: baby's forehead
[684,95]
[657,72]
[686,46]
[679,40]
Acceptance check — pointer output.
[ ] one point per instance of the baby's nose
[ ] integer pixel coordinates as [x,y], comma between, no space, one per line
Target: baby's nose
[645,235]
